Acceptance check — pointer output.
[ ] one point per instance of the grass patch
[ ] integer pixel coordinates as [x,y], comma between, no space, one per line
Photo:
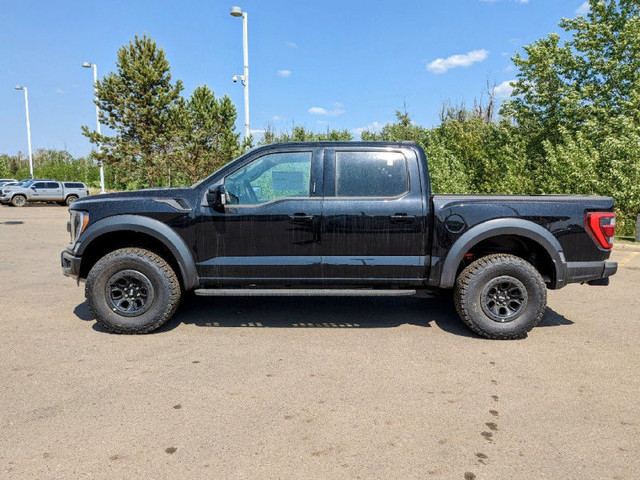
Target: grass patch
[629,240]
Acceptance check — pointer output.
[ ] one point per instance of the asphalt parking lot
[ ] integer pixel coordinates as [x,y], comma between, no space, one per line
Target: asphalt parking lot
[309,388]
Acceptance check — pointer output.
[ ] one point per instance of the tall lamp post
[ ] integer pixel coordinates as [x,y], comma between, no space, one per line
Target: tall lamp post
[95,82]
[244,79]
[26,106]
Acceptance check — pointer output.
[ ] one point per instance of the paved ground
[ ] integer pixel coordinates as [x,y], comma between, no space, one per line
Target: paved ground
[304,388]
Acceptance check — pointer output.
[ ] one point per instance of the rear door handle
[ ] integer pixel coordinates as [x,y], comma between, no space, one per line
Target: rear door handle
[402,218]
[300,218]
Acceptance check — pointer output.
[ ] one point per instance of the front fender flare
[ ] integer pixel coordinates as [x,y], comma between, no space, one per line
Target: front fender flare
[497,227]
[154,228]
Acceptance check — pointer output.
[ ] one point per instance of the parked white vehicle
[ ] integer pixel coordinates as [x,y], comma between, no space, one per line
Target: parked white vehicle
[64,193]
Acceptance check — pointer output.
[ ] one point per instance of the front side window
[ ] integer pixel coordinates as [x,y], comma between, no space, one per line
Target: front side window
[39,185]
[53,185]
[371,174]
[270,177]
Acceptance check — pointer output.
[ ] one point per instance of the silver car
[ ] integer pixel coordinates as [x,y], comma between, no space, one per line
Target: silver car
[63,193]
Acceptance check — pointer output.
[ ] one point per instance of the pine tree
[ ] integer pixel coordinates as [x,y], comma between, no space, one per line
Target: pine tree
[136,104]
[204,136]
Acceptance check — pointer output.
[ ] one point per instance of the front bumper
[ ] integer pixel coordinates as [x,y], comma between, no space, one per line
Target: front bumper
[70,264]
[593,272]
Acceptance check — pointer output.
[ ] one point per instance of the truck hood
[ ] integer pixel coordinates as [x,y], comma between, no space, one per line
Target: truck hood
[137,201]
[145,193]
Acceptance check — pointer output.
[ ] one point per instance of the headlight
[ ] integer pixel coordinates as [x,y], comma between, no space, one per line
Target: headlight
[77,223]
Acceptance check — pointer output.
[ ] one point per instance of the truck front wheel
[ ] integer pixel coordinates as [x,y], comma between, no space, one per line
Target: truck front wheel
[132,290]
[500,296]
[19,201]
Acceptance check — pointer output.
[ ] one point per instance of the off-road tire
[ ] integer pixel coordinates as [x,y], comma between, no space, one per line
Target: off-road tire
[70,199]
[468,296]
[166,290]
[19,201]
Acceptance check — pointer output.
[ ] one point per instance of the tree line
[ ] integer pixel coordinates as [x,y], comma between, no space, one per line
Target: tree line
[571,125]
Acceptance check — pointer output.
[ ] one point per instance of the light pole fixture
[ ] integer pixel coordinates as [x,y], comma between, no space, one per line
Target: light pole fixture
[95,83]
[244,79]
[26,106]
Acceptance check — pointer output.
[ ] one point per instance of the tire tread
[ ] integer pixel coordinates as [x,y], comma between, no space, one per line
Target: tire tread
[143,255]
[464,282]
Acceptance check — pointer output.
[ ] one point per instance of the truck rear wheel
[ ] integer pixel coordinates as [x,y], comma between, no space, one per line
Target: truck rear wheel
[500,297]
[70,199]
[132,290]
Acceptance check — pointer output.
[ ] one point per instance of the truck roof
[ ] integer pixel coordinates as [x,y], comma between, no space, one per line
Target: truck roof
[329,143]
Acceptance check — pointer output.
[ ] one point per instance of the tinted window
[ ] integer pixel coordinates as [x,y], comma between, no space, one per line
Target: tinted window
[39,185]
[371,174]
[279,175]
[53,185]
[73,185]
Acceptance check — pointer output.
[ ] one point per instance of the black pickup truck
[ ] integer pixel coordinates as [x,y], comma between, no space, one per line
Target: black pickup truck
[342,219]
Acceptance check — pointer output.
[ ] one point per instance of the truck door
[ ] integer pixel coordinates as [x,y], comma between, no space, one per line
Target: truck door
[269,230]
[375,228]
[53,191]
[39,191]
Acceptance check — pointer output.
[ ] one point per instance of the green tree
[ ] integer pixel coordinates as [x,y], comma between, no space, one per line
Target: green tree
[582,97]
[301,134]
[136,104]
[204,136]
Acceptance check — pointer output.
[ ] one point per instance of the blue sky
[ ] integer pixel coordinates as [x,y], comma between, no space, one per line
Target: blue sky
[319,64]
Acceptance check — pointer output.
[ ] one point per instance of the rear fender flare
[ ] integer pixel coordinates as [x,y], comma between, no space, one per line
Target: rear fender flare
[498,227]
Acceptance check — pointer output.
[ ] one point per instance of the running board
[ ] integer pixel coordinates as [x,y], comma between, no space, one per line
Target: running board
[299,292]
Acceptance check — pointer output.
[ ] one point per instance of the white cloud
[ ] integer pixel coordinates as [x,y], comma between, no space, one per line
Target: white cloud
[276,118]
[283,73]
[59,90]
[257,132]
[503,90]
[337,110]
[372,127]
[291,44]
[583,9]
[442,65]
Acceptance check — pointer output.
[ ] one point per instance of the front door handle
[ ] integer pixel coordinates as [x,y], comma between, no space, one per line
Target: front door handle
[402,218]
[301,218]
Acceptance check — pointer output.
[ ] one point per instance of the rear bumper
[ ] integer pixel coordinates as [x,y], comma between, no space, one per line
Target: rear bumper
[70,264]
[580,272]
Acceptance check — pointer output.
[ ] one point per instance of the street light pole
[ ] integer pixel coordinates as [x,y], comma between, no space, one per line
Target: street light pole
[238,12]
[95,94]
[26,106]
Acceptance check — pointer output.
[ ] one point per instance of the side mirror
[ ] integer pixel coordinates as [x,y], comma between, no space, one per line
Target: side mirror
[217,198]
[33,188]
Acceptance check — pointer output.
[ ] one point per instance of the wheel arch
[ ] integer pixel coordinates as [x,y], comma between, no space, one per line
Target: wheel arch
[122,231]
[515,229]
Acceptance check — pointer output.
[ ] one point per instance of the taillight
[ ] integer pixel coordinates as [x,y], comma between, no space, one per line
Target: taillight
[601,226]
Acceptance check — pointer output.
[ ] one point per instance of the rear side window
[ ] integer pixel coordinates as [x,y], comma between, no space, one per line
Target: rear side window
[371,174]
[74,185]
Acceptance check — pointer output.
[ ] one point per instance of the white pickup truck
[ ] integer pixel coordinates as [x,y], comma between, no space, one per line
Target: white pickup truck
[63,193]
